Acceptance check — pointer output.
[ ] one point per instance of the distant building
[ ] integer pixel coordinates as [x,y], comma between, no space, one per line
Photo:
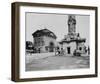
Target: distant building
[72,42]
[44,41]
[29,47]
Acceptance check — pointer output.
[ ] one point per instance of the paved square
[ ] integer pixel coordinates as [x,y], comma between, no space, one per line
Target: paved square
[58,62]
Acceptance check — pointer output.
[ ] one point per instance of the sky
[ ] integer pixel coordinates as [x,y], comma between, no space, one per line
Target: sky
[57,23]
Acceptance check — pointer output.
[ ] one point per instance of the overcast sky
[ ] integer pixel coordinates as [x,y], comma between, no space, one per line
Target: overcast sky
[57,23]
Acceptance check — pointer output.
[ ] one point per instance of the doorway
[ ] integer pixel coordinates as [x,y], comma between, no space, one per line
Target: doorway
[68,50]
[51,47]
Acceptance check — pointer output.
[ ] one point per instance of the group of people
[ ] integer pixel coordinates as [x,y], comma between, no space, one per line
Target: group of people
[59,52]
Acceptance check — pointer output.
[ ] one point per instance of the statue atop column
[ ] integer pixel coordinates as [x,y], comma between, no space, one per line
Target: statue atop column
[71,24]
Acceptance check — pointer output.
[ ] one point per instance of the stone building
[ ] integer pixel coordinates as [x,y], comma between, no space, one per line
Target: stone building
[44,41]
[72,42]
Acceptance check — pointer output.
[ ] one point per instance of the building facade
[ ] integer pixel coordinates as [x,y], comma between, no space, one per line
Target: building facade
[44,41]
[72,42]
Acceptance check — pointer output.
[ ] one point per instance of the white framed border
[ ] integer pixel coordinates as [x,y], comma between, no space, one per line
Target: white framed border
[53,73]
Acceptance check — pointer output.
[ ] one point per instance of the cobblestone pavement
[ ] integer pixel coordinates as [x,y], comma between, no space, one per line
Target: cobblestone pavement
[58,62]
